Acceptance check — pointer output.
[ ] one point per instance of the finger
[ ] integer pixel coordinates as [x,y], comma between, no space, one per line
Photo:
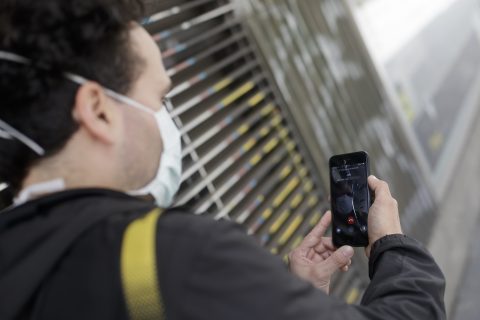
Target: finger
[315,236]
[311,254]
[379,187]
[325,244]
[348,264]
[328,243]
[325,255]
[338,259]
[346,267]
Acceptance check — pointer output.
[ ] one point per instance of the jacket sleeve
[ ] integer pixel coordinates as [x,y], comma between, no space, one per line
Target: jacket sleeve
[406,283]
[231,277]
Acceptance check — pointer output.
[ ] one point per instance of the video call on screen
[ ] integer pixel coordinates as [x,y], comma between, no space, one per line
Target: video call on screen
[350,199]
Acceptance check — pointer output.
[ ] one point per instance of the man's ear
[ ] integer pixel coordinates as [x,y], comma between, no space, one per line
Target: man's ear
[94,111]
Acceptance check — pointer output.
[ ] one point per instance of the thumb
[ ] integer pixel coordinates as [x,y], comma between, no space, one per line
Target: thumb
[338,259]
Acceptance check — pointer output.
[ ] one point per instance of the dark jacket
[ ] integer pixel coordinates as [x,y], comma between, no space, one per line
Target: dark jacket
[59,259]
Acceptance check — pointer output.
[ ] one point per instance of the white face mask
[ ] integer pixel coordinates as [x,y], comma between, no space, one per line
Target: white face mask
[168,178]
[169,174]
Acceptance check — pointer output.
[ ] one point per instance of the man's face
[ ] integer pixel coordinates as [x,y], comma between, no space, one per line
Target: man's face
[141,142]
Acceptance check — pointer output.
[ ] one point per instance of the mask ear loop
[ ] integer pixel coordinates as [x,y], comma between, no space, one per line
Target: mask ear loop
[9,56]
[12,132]
[3,186]
[7,131]
[5,135]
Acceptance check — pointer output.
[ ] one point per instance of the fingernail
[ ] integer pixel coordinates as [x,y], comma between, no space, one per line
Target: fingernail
[374,177]
[347,251]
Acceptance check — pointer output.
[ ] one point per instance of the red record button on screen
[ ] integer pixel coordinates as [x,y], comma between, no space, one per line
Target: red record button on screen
[351,220]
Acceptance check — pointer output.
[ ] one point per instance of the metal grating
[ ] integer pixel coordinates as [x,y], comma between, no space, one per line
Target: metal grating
[241,159]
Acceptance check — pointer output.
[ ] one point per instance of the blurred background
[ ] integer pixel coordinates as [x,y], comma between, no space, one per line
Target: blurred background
[266,91]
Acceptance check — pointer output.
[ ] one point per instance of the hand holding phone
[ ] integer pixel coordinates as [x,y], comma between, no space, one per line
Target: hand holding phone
[384,218]
[350,198]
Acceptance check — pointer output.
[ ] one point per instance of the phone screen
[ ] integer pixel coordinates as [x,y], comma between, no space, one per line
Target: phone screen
[350,203]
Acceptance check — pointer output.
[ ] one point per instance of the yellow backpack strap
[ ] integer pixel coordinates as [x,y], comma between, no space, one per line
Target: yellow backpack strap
[139,268]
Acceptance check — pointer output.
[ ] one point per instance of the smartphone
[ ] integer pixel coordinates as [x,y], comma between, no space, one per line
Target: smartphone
[350,198]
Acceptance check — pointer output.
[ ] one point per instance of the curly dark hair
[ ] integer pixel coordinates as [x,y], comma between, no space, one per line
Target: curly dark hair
[86,37]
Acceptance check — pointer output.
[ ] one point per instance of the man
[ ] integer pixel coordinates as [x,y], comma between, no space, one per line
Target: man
[89,151]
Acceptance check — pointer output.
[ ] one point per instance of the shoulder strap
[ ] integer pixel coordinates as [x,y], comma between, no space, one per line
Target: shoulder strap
[139,268]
